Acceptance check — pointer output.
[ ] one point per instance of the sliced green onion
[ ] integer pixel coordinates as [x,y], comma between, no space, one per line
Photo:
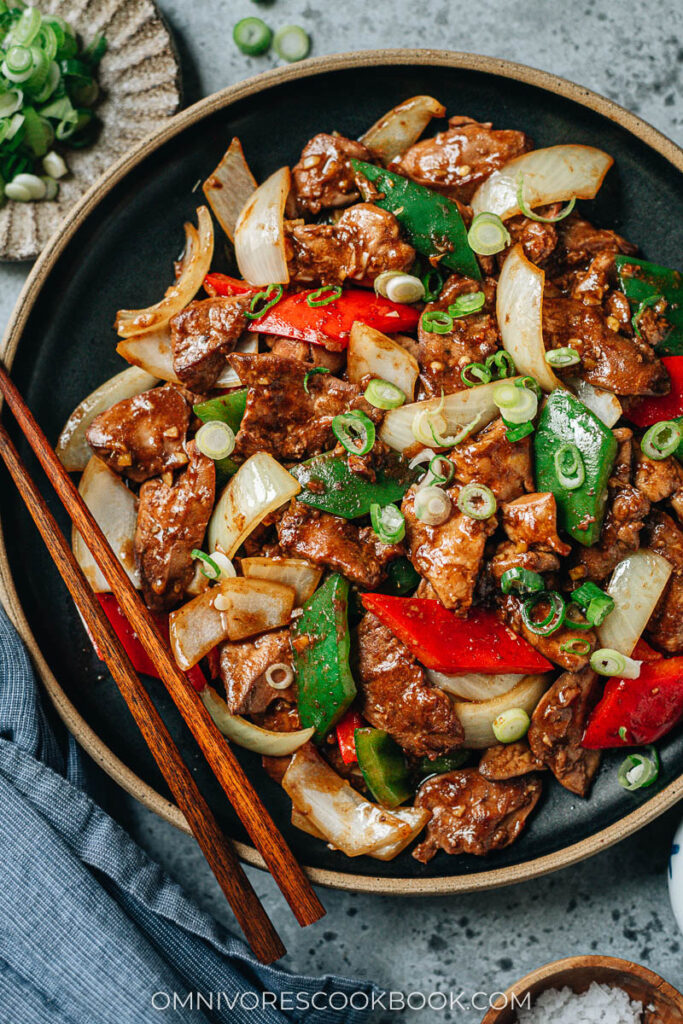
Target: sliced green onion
[252,36]
[435,476]
[517,405]
[54,165]
[607,662]
[553,619]
[51,187]
[573,622]
[216,440]
[10,102]
[500,365]
[263,301]
[517,431]
[399,287]
[577,646]
[18,64]
[312,373]
[511,725]
[94,51]
[662,439]
[477,501]
[18,192]
[650,301]
[465,305]
[569,467]
[622,733]
[388,522]
[593,602]
[436,321]
[478,371]
[209,566]
[35,185]
[560,357]
[292,43]
[383,394]
[528,212]
[25,29]
[488,235]
[355,432]
[638,771]
[432,282]
[522,581]
[532,384]
[324,296]
[280,676]
[432,506]
[429,426]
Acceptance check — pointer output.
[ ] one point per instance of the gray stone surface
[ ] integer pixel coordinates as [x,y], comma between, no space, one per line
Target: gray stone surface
[615,903]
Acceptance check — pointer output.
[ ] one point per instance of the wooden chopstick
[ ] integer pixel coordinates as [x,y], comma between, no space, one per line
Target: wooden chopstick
[250,809]
[251,916]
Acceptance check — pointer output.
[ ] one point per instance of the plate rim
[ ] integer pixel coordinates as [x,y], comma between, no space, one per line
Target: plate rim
[74,721]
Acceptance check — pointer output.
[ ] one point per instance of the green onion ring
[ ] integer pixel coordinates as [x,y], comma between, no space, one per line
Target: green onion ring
[553,620]
[312,373]
[215,439]
[488,235]
[270,297]
[511,725]
[593,602]
[532,384]
[388,522]
[608,662]
[436,321]
[570,474]
[515,432]
[503,363]
[528,212]
[383,394]
[477,501]
[481,374]
[572,622]
[561,357]
[467,304]
[438,479]
[642,769]
[323,296]
[523,581]
[517,405]
[577,645]
[209,568]
[355,432]
[433,281]
[662,439]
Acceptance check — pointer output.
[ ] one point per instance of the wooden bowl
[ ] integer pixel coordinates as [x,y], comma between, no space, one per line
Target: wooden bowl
[579,972]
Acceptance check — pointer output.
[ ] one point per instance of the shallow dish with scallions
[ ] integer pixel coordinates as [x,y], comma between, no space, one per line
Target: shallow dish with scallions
[375,368]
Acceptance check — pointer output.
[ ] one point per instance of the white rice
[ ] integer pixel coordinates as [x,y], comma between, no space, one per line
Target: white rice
[600,1004]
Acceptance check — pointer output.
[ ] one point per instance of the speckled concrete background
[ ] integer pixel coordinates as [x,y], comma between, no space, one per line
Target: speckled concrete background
[617,902]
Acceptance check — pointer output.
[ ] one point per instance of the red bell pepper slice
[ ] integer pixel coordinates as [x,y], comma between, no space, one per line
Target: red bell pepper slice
[445,643]
[346,729]
[133,647]
[647,411]
[644,709]
[221,284]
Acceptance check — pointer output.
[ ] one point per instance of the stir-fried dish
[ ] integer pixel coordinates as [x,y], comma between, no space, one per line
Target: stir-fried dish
[405,492]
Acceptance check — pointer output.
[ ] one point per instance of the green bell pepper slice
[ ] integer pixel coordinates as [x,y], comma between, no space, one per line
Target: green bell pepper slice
[321,646]
[402,578]
[383,767]
[229,409]
[644,282]
[567,421]
[327,483]
[441,764]
[432,222]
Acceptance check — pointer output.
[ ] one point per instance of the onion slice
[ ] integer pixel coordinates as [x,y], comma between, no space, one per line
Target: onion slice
[152,352]
[458,410]
[636,586]
[228,377]
[340,814]
[477,718]
[252,737]
[291,572]
[371,353]
[412,816]
[519,309]
[196,264]
[260,235]
[258,487]
[72,448]
[551,175]
[474,685]
[230,187]
[604,404]
[115,510]
[401,127]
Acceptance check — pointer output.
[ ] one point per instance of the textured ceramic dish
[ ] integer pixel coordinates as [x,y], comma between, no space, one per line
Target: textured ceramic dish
[140,81]
[116,250]
[662,1002]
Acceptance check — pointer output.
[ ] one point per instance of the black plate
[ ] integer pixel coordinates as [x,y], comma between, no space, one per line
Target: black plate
[121,256]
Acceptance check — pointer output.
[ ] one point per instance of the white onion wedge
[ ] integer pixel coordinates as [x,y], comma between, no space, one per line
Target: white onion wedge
[252,737]
[259,232]
[340,814]
[636,586]
[477,718]
[551,175]
[196,264]
[604,404]
[258,487]
[459,409]
[474,685]
[152,352]
[73,450]
[291,572]
[228,377]
[115,510]
[230,187]
[412,816]
[401,127]
[519,309]
[371,353]
[234,610]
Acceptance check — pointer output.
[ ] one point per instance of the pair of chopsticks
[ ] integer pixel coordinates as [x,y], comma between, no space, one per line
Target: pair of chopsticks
[258,823]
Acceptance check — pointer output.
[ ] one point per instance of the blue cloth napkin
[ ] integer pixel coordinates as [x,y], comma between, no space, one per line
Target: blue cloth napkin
[91,930]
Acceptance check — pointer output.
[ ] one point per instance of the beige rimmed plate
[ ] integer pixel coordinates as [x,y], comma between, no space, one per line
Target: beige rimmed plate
[136,211]
[140,81]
